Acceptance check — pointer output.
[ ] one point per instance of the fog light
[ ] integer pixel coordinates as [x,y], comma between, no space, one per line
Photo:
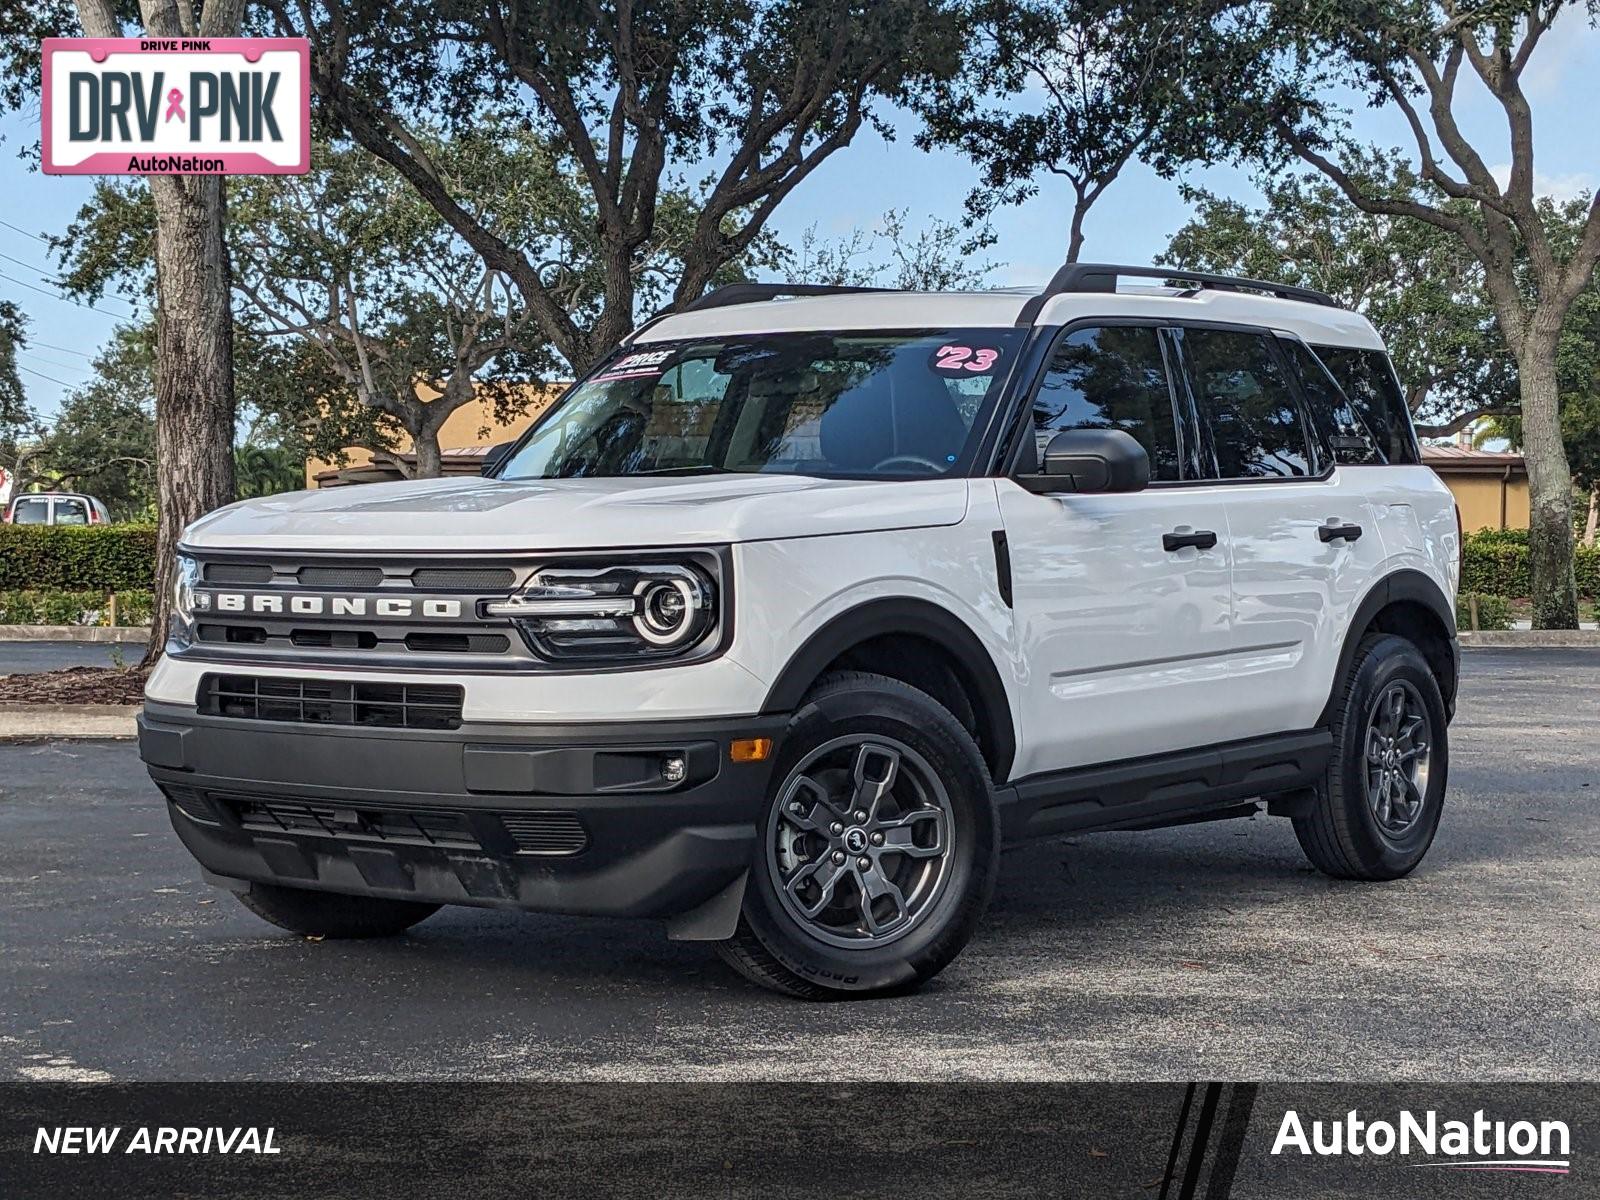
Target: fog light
[674,769]
[750,750]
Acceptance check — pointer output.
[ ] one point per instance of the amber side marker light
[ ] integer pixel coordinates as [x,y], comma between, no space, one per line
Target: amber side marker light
[750,749]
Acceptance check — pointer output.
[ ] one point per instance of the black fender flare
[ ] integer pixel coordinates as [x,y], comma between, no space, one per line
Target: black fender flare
[1403,585]
[919,618]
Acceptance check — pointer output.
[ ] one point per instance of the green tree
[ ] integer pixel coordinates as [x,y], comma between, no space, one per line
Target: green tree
[1077,89]
[103,441]
[763,92]
[370,320]
[933,259]
[1417,284]
[266,470]
[1412,55]
[19,427]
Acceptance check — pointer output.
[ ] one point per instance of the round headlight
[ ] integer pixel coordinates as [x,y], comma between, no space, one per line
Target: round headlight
[666,610]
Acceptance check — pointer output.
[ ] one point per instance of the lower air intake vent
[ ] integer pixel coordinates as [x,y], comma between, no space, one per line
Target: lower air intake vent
[332,702]
[385,825]
[546,832]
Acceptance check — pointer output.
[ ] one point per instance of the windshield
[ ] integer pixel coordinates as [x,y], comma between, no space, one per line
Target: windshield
[900,405]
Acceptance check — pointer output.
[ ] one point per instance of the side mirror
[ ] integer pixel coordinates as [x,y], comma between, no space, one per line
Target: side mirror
[498,453]
[1091,460]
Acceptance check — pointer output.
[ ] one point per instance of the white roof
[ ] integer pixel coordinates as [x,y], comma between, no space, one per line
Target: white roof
[1317,323]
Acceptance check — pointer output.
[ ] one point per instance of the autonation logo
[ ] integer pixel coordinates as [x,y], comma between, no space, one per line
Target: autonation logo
[1477,1145]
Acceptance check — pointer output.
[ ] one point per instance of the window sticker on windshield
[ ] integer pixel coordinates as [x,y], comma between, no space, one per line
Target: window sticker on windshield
[635,366]
[956,359]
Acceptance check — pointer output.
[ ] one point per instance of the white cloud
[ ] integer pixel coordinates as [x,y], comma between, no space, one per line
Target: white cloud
[1559,188]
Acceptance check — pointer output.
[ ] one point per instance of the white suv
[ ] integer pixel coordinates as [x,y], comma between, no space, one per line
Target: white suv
[808,600]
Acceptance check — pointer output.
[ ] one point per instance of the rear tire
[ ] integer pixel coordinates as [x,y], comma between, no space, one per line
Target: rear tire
[332,915]
[882,820]
[1379,806]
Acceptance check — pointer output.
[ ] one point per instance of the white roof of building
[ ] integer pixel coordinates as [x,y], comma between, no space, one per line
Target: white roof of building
[1318,323]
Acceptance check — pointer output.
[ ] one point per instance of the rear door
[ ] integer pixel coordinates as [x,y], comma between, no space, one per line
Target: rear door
[1122,601]
[1305,542]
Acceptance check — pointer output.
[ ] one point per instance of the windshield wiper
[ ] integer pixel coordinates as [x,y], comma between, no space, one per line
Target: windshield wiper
[702,469]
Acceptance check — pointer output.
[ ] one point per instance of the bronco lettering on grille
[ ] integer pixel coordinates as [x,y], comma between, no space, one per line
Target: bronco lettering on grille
[398,607]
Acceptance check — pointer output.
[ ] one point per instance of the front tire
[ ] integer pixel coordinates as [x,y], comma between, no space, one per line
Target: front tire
[1378,809]
[878,849]
[330,914]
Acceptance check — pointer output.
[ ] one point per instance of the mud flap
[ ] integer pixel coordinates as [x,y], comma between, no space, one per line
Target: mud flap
[715,920]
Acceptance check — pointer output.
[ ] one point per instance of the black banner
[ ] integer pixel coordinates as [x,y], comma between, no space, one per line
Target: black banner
[1162,1141]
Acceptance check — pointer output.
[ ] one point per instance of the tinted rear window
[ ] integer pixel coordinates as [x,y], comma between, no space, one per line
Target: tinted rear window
[1368,379]
[1344,430]
[31,512]
[72,512]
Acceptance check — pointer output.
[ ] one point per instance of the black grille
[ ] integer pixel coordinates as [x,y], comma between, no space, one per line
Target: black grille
[546,832]
[354,578]
[463,579]
[457,643]
[191,803]
[328,639]
[332,702]
[252,635]
[387,825]
[238,573]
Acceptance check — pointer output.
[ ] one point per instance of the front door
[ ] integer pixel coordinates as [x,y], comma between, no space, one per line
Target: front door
[1122,601]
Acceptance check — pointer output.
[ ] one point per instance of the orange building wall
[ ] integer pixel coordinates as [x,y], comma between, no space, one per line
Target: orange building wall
[1479,496]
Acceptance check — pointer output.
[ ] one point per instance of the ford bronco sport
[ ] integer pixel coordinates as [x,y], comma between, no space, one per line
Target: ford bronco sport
[790,615]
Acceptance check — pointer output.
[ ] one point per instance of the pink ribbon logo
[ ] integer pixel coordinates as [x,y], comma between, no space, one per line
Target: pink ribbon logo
[175,105]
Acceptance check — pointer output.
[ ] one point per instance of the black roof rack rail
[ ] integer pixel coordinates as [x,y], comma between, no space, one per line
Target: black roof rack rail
[752,293]
[1102,277]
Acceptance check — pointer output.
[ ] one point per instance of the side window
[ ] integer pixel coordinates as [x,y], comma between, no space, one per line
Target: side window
[1257,429]
[1343,428]
[1111,378]
[1368,379]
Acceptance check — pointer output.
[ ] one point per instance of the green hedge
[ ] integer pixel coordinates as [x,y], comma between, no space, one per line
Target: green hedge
[1496,563]
[47,607]
[98,558]
[1494,612]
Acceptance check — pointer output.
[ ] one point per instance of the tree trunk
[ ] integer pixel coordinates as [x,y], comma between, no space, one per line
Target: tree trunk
[1080,210]
[425,445]
[1555,591]
[194,370]
[194,322]
[1589,525]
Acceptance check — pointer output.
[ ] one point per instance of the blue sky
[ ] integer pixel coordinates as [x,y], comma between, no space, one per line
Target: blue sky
[1131,223]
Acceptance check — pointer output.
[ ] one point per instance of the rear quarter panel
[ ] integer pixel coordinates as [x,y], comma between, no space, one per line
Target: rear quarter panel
[1416,519]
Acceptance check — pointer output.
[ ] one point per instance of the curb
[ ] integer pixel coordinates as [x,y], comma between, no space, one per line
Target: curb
[54,722]
[1516,639]
[74,633]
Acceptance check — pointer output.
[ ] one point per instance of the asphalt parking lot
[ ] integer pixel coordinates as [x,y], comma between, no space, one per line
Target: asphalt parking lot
[1210,951]
[17,657]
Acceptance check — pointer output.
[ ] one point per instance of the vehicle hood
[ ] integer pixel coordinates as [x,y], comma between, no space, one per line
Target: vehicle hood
[569,514]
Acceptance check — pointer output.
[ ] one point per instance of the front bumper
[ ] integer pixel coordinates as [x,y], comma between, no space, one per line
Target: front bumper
[570,819]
